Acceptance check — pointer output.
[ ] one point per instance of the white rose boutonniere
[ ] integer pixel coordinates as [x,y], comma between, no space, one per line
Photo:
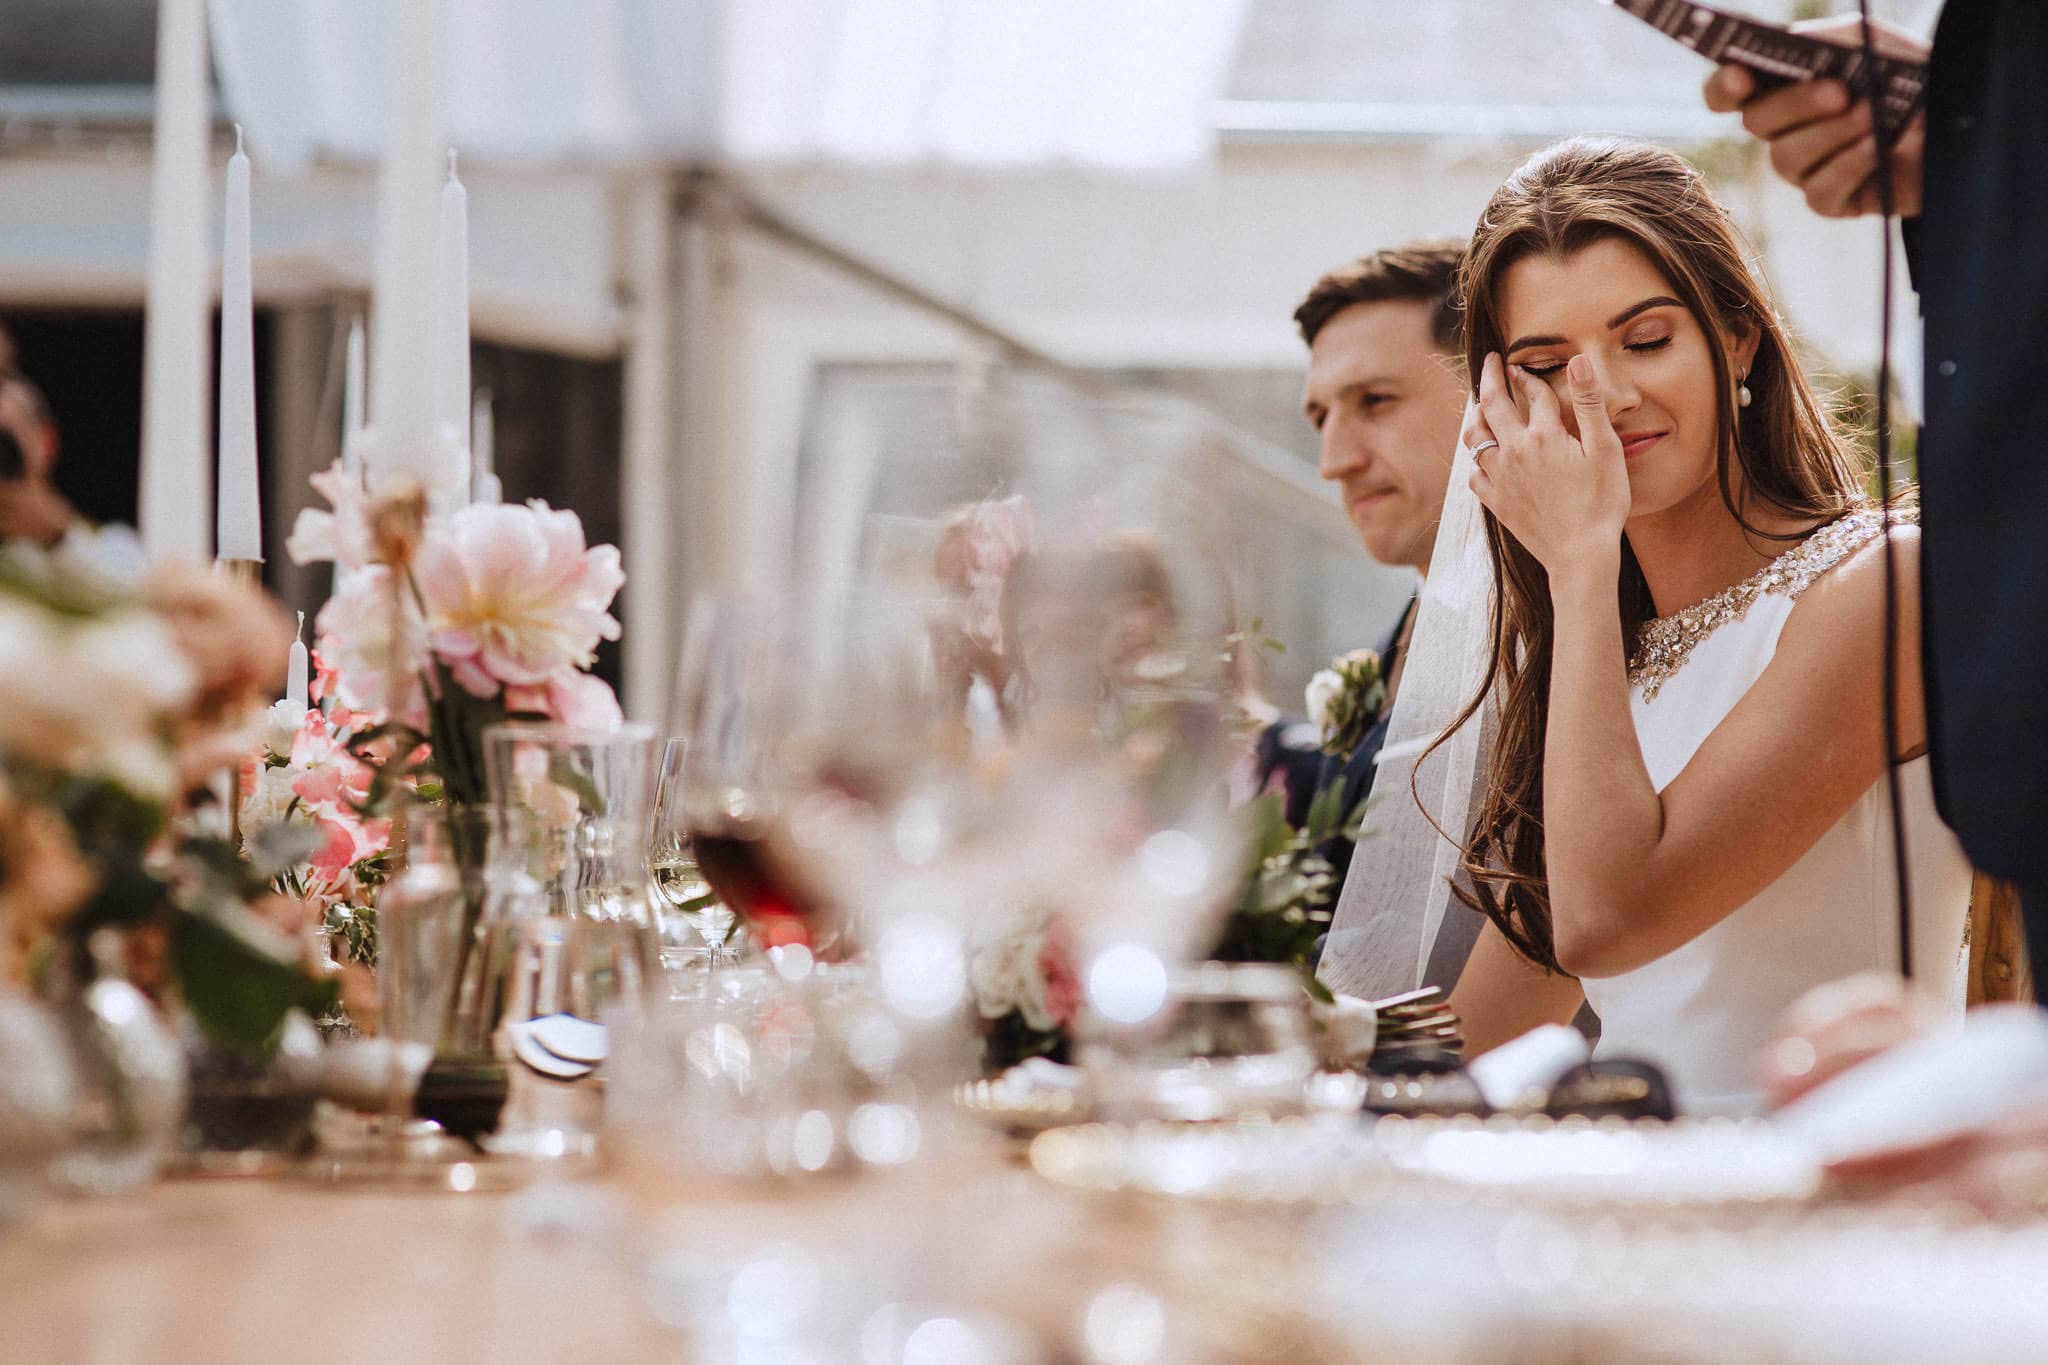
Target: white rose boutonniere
[1344,699]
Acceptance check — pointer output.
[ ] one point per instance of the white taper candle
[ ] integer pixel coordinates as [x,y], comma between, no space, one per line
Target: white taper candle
[174,495]
[352,400]
[451,308]
[483,451]
[298,668]
[402,310]
[238,529]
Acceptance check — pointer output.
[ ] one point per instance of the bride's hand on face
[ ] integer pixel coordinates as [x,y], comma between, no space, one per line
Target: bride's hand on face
[1565,497]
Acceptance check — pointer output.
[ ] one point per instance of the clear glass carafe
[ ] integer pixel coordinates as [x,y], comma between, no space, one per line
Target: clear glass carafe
[569,932]
[425,916]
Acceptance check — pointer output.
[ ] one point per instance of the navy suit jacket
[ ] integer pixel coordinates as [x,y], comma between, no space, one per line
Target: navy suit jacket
[1980,260]
[1294,747]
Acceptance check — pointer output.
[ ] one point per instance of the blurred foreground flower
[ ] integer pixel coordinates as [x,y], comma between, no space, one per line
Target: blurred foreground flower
[119,698]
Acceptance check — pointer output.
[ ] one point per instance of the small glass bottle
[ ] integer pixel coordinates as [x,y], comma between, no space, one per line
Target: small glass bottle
[421,917]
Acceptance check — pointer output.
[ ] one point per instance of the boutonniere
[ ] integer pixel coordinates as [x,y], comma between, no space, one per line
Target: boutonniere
[1345,698]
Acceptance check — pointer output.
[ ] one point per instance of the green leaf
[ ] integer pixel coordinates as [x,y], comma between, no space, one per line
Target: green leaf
[1269,833]
[239,977]
[1325,811]
[1313,984]
[564,774]
[128,893]
[220,864]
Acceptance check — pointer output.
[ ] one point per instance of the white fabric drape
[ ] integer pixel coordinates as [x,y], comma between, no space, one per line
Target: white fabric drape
[1120,84]
[1396,925]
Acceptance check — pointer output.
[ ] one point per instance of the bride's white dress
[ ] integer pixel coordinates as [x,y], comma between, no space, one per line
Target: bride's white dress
[1705,1011]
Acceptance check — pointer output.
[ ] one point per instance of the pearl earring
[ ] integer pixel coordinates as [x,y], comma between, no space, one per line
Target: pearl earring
[1742,395]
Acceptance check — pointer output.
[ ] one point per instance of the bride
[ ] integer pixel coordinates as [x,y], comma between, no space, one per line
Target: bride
[1684,806]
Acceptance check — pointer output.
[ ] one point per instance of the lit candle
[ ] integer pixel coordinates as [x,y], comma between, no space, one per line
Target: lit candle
[483,450]
[298,671]
[451,362]
[238,528]
[352,402]
[175,494]
[403,434]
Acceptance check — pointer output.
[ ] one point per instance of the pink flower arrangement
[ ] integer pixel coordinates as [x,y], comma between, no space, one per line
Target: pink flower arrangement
[513,598]
[498,613]
[978,547]
[306,775]
[1025,990]
[1060,986]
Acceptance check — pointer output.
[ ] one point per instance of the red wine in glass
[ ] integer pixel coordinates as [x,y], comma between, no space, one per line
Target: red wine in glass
[749,869]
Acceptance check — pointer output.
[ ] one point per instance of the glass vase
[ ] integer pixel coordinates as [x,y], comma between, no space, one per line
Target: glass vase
[427,916]
[251,1115]
[38,1090]
[129,1067]
[570,937]
[430,922]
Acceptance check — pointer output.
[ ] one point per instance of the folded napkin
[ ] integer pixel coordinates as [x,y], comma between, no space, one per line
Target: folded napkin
[1350,1028]
[1957,1081]
[1519,1074]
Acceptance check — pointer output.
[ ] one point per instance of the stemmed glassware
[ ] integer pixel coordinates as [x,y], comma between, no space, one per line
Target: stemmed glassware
[737,786]
[992,691]
[696,924]
[998,689]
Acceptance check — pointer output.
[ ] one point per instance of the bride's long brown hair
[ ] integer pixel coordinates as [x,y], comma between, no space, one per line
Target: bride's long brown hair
[1791,459]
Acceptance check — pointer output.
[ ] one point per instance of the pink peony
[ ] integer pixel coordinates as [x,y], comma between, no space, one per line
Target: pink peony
[580,700]
[1061,987]
[977,550]
[341,535]
[514,597]
[337,849]
[329,777]
[356,636]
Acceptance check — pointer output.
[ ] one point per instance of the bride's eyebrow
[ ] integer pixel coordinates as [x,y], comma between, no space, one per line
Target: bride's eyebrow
[1659,301]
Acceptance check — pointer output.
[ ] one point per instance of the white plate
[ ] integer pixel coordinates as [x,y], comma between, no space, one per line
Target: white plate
[1331,1159]
[571,1039]
[530,1050]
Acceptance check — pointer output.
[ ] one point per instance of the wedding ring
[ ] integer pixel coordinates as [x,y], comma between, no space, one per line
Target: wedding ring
[1488,444]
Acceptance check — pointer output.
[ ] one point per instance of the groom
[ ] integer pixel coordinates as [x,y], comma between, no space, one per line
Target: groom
[1385,393]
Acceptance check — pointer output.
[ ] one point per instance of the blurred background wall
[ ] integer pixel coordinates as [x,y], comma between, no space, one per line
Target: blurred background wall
[690,220]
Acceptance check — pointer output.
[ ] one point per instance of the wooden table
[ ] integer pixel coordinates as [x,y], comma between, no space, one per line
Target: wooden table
[228,1271]
[242,1271]
[232,1271]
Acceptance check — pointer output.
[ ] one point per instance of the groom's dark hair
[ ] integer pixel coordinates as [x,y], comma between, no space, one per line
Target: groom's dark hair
[1420,271]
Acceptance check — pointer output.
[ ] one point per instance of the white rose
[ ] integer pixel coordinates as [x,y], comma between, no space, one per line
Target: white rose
[268,802]
[1000,972]
[1323,690]
[281,726]
[109,558]
[143,766]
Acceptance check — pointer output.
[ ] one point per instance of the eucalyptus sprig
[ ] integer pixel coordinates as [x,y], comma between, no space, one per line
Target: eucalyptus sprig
[1290,886]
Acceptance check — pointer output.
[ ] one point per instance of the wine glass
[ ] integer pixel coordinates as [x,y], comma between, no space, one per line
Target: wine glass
[1059,561]
[740,679]
[672,863]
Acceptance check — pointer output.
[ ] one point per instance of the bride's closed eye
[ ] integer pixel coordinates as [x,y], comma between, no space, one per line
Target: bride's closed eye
[1543,369]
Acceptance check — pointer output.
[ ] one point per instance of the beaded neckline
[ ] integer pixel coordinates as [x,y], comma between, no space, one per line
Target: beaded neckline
[1663,645]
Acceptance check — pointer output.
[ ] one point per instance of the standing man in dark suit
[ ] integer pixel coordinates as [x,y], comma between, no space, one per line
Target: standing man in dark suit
[1970,179]
[1385,394]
